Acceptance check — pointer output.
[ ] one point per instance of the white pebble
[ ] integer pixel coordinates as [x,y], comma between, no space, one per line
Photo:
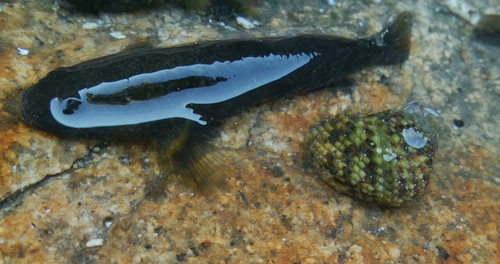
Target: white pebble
[96,242]
[117,35]
[90,25]
[244,23]
[23,51]
[108,223]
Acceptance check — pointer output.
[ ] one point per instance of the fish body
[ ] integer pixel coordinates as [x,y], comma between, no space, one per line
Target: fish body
[215,7]
[96,6]
[148,92]
[384,158]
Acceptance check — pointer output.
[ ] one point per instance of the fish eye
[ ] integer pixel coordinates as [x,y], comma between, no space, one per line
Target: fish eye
[71,106]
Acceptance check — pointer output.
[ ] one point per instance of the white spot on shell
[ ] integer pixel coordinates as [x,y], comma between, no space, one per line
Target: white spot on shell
[387,157]
[414,138]
[390,156]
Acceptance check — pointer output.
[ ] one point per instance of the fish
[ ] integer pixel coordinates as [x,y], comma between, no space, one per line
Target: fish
[155,93]
[94,7]
[384,158]
[211,7]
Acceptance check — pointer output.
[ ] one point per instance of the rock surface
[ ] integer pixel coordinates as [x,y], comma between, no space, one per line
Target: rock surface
[70,201]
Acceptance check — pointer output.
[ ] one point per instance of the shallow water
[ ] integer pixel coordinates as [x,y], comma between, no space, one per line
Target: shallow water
[57,194]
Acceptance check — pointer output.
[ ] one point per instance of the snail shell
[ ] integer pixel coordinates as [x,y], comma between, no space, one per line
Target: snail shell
[385,158]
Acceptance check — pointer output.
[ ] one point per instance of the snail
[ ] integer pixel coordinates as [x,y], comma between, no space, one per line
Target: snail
[385,158]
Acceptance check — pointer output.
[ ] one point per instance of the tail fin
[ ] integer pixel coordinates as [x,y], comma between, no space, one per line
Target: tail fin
[392,44]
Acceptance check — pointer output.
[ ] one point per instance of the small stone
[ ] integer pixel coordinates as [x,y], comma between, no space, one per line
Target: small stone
[277,171]
[117,35]
[250,249]
[90,25]
[244,23]
[22,51]
[96,242]
[277,23]
[126,160]
[443,253]
[457,123]
[107,222]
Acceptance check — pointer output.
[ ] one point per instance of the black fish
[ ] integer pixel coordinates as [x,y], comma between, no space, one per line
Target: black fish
[215,7]
[157,93]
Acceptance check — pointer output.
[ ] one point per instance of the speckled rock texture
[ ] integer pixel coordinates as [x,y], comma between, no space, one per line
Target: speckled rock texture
[73,201]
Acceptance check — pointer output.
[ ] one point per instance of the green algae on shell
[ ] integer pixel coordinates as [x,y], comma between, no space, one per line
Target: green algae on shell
[385,158]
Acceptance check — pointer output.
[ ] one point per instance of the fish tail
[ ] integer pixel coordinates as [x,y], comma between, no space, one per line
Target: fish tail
[392,44]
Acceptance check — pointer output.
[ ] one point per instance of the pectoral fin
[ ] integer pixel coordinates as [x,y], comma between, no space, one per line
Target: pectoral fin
[194,160]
